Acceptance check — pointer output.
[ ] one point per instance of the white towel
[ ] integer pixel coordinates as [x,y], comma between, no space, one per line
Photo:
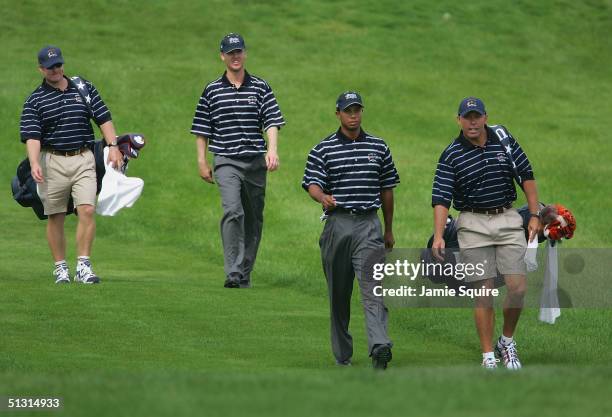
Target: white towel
[117,191]
[531,255]
[549,300]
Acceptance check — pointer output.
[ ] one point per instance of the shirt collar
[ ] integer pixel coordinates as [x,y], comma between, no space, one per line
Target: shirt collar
[49,87]
[469,145]
[343,137]
[247,79]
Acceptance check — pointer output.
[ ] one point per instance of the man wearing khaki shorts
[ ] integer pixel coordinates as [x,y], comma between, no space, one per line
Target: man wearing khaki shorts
[475,172]
[56,130]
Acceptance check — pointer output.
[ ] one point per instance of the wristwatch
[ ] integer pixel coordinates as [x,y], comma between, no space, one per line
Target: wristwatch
[537,214]
[113,143]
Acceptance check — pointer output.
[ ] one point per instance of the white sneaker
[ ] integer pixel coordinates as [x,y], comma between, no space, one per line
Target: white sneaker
[61,274]
[489,363]
[508,354]
[85,274]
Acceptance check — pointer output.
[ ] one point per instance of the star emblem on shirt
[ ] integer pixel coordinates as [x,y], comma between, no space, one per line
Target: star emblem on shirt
[88,99]
[80,85]
[508,148]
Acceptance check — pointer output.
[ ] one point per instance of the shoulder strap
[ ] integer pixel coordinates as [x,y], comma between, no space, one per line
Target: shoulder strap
[504,138]
[83,90]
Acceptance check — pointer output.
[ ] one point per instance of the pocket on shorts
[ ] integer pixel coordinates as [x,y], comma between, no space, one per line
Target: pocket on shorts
[514,219]
[460,223]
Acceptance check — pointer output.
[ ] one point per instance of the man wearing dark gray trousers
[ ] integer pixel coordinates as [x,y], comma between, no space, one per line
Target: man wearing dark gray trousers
[352,175]
[242,183]
[230,118]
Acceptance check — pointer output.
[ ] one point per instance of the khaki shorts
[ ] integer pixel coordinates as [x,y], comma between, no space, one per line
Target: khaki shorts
[495,242]
[65,176]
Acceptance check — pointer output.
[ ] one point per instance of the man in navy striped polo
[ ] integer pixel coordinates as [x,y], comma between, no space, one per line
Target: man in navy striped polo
[58,135]
[231,115]
[475,172]
[352,174]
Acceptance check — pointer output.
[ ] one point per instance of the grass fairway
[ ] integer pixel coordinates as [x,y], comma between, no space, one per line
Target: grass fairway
[161,336]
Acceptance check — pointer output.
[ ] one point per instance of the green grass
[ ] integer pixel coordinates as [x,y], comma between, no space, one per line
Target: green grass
[161,336]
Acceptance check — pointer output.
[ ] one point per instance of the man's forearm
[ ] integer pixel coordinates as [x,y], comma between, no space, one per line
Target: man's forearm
[33,149]
[108,131]
[440,216]
[272,134]
[386,198]
[531,193]
[316,193]
[202,148]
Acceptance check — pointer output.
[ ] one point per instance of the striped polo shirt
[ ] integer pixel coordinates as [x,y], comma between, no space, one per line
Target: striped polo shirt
[60,119]
[233,119]
[478,177]
[353,171]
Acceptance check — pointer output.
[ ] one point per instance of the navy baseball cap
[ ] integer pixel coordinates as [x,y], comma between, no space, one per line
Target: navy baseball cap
[231,42]
[49,56]
[348,99]
[471,104]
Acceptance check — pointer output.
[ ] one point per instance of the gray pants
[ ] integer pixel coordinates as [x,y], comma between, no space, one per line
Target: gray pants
[242,183]
[348,243]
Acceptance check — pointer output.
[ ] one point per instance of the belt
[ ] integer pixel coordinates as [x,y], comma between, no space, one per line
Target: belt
[353,212]
[489,211]
[65,153]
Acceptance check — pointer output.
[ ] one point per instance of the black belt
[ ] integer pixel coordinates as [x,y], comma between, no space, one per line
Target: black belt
[489,211]
[65,153]
[354,212]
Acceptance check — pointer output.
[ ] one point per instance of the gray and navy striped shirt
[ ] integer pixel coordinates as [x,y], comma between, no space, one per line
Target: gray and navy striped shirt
[353,171]
[60,119]
[478,177]
[232,119]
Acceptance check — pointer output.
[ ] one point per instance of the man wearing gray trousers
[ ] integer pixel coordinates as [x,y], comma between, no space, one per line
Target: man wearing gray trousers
[230,118]
[352,174]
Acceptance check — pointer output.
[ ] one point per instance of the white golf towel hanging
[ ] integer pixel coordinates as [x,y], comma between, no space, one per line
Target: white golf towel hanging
[117,191]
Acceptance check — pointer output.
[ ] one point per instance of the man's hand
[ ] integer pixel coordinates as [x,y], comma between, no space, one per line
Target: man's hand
[272,161]
[389,240]
[205,172]
[115,157]
[328,202]
[37,174]
[533,227]
[437,248]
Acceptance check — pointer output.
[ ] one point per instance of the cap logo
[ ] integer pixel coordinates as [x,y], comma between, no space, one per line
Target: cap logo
[51,53]
[350,96]
[234,40]
[471,103]
[138,139]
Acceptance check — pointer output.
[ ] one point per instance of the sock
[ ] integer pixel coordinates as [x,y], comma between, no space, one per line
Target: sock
[61,263]
[82,260]
[488,355]
[506,340]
